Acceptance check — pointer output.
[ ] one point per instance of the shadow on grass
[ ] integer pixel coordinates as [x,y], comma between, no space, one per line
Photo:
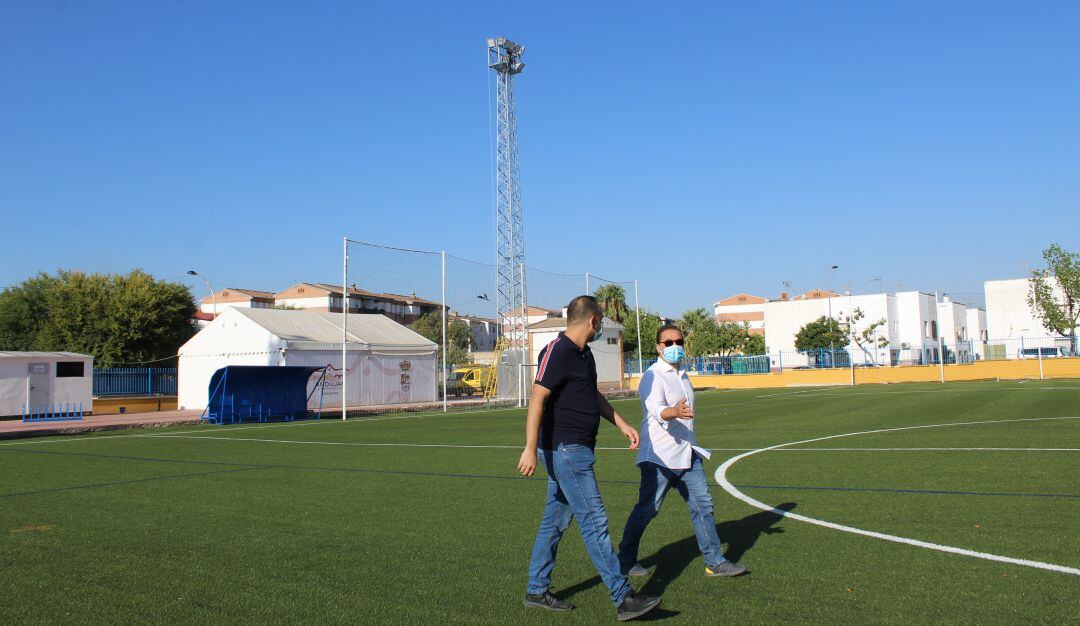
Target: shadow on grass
[672,560]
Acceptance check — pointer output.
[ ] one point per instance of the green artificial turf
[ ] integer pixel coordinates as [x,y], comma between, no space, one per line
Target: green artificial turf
[308,522]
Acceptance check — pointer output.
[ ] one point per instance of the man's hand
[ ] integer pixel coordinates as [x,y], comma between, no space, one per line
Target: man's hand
[527,462]
[684,410]
[630,433]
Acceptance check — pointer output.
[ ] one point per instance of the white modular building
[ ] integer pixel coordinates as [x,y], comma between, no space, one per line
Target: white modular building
[607,352]
[387,363]
[45,382]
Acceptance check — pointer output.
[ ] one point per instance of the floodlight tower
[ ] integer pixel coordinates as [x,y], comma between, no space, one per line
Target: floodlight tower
[504,56]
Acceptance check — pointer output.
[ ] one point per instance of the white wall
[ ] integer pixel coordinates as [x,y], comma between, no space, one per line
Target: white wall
[608,358]
[317,302]
[231,339]
[15,388]
[374,379]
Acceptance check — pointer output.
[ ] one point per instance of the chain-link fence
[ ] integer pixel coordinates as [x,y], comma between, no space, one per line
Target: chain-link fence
[931,353]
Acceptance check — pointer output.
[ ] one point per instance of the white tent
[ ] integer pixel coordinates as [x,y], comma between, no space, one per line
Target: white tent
[387,362]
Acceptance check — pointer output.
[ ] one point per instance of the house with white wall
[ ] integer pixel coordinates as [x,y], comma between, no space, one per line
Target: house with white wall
[404,309]
[742,308]
[1011,326]
[232,297]
[910,325]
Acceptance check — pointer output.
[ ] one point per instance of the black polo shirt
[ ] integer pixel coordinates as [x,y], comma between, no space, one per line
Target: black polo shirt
[572,413]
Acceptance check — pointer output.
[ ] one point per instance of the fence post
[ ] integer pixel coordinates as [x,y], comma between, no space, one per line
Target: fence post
[941,357]
[444,372]
[780,360]
[149,382]
[637,314]
[1041,377]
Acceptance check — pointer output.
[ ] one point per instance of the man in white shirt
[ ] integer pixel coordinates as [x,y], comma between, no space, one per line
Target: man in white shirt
[669,456]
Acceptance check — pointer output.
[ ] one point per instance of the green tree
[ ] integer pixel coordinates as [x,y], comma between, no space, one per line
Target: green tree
[702,333]
[23,312]
[458,337]
[821,334]
[867,338]
[119,319]
[612,299]
[753,345]
[1057,313]
[650,323]
[731,336]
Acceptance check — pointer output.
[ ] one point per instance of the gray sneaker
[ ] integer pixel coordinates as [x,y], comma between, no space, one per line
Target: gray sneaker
[727,568]
[635,570]
[547,601]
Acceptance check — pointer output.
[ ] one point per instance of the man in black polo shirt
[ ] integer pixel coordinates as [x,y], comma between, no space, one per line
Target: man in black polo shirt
[560,432]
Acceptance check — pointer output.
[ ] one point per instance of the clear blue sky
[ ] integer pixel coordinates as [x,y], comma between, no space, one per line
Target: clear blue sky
[705,148]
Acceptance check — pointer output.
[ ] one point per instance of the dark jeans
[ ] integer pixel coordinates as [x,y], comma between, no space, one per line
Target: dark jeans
[573,492]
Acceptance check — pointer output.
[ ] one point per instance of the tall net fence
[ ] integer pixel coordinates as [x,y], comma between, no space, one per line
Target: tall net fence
[449,347]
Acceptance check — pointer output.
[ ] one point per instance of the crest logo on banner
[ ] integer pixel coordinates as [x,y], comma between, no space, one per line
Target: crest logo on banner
[406,379]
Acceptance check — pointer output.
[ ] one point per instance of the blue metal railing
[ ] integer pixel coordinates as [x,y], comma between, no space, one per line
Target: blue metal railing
[135,381]
[58,412]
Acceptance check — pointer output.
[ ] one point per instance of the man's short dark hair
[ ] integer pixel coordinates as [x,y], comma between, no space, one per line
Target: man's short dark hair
[581,307]
[660,331]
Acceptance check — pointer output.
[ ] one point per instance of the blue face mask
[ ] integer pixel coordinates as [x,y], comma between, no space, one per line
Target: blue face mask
[674,354]
[599,334]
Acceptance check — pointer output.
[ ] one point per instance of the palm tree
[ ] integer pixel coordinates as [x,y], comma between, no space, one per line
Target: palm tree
[612,299]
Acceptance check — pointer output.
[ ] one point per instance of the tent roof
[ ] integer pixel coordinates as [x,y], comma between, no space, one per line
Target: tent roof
[320,330]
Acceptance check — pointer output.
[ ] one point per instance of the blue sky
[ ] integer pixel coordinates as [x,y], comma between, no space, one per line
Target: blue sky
[702,148]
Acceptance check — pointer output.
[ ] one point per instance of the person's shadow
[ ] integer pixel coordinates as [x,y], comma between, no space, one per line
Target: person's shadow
[671,560]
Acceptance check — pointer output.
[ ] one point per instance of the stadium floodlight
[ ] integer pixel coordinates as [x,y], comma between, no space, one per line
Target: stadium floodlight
[213,296]
[504,57]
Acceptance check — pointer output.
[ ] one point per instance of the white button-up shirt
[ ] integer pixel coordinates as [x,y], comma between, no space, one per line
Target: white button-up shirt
[670,443]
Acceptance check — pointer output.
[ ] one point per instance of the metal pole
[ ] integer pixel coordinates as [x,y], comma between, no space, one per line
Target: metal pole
[587,292]
[940,338]
[526,342]
[941,356]
[444,372]
[637,314]
[344,325]
[1041,377]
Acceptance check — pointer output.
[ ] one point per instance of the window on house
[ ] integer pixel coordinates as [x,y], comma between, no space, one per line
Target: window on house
[70,369]
[613,341]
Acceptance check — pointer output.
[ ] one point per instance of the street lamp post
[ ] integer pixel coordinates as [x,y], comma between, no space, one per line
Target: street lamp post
[213,296]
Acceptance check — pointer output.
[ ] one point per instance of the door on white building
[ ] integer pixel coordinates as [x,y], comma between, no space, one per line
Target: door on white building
[39,395]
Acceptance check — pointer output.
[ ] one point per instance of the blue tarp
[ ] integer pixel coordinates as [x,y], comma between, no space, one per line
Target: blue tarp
[241,393]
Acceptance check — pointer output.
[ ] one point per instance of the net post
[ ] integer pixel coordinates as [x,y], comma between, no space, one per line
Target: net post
[637,314]
[344,325]
[442,256]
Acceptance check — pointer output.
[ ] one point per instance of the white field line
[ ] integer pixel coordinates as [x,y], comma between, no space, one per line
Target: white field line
[839,393]
[721,479]
[518,446]
[228,428]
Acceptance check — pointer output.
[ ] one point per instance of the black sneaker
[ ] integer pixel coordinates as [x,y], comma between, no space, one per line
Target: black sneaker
[635,605]
[547,601]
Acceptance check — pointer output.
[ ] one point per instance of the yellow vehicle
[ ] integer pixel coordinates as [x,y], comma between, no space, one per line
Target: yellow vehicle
[468,380]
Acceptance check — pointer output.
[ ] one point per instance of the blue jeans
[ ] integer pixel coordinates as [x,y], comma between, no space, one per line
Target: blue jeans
[694,488]
[572,492]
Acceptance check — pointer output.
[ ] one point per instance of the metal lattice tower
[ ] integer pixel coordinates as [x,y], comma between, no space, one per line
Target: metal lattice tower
[504,56]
